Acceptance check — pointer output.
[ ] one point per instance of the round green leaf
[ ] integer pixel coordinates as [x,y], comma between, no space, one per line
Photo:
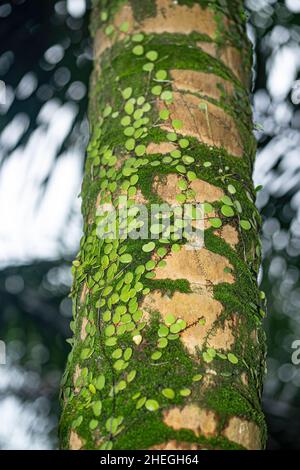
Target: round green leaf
[177,124]
[126,258]
[170,319]
[166,95]
[185,392]
[227,211]
[148,67]
[140,150]
[148,247]
[138,50]
[161,75]
[215,222]
[168,393]
[152,55]
[126,93]
[152,405]
[156,90]
[162,343]
[245,224]
[183,143]
[164,114]
[137,37]
[100,382]
[231,189]
[156,355]
[232,358]
[130,144]
[97,408]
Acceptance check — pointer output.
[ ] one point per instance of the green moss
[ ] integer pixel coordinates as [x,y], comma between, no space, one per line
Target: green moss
[167,286]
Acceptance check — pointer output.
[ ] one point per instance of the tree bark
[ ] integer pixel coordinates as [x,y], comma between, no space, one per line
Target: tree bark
[168,349]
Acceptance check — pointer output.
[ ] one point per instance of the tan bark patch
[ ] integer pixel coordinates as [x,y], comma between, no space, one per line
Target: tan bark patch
[244,379]
[229,55]
[208,47]
[206,192]
[98,200]
[200,82]
[200,421]
[222,337]
[196,266]
[191,308]
[229,234]
[254,337]
[76,375]
[75,442]
[206,224]
[181,19]
[139,198]
[175,445]
[161,148]
[243,432]
[208,381]
[84,292]
[167,188]
[103,41]
[83,333]
[210,125]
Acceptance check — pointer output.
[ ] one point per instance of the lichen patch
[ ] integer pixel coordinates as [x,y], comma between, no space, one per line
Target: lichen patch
[202,422]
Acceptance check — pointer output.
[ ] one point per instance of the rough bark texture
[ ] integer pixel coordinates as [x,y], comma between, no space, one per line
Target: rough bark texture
[168,348]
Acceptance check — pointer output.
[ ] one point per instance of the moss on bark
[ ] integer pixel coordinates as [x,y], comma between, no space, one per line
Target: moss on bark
[122,363]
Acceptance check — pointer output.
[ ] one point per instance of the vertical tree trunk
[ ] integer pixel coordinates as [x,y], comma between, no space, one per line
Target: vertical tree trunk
[168,349]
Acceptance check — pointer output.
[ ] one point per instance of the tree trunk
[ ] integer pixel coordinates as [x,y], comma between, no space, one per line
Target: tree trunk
[168,348]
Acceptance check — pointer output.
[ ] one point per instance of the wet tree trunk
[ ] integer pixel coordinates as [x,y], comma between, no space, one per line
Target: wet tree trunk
[168,349]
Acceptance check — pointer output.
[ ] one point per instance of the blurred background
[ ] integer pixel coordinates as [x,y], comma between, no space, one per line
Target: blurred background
[45,62]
